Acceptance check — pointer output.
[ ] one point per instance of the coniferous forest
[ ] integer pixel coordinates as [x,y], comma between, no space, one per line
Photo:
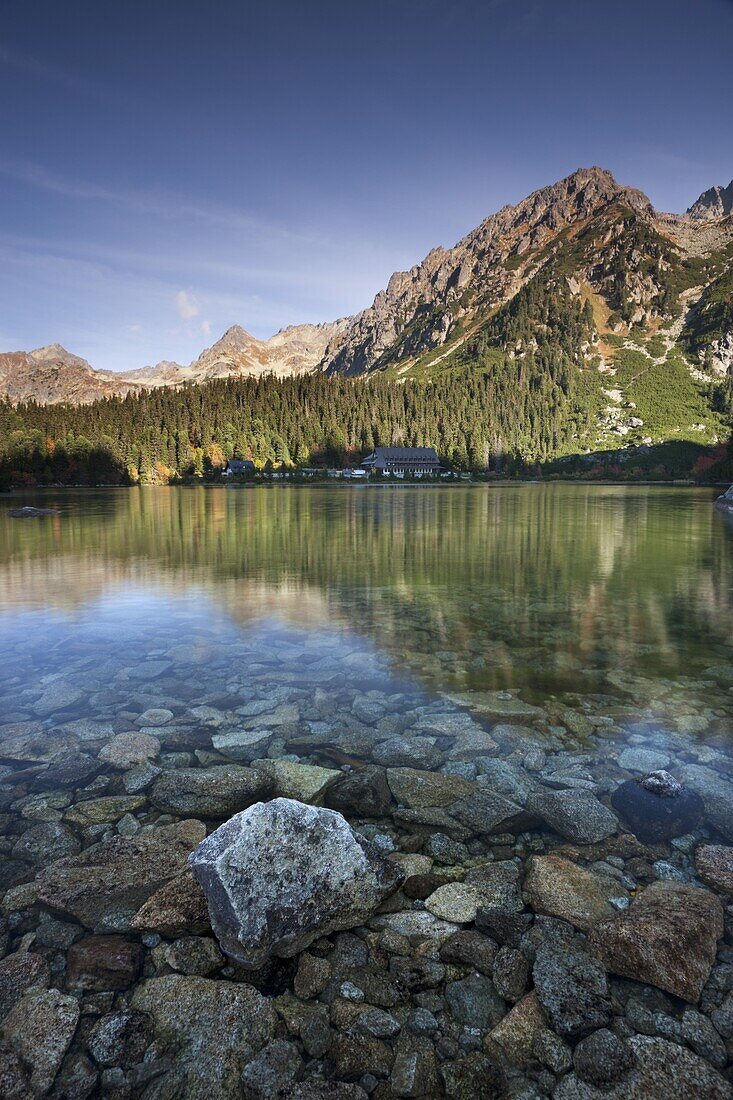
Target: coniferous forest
[512,417]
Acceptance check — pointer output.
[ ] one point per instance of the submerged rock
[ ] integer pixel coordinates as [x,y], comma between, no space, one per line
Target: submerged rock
[513,1036]
[667,938]
[714,864]
[217,1028]
[39,1029]
[105,885]
[663,1069]
[575,814]
[281,874]
[559,888]
[99,963]
[209,792]
[19,973]
[365,792]
[716,793]
[572,988]
[304,782]
[484,812]
[419,790]
[176,908]
[602,1058]
[657,807]
[127,750]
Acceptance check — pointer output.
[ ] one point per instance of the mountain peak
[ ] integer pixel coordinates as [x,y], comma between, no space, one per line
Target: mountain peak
[716,202]
[51,351]
[236,336]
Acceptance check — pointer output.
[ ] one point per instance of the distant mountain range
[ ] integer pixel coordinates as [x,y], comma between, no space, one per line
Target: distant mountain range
[642,275]
[51,374]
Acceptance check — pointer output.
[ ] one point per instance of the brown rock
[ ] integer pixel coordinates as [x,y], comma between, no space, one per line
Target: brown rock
[558,888]
[363,792]
[352,1055]
[20,973]
[512,1037]
[422,886]
[100,963]
[667,938]
[714,863]
[110,881]
[178,907]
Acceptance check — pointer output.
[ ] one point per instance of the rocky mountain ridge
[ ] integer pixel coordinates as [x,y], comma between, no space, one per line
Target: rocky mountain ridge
[638,268]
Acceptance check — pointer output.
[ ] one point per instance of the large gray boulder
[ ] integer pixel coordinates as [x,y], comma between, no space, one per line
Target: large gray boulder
[280,874]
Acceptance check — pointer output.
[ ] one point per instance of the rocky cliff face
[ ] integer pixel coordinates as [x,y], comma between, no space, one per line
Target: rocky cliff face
[422,308]
[602,233]
[715,203]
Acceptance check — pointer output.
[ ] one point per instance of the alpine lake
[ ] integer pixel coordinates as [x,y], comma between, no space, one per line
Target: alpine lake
[478,678]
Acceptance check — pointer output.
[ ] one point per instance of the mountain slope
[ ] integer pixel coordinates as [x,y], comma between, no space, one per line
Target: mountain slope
[293,350]
[610,237]
[717,202]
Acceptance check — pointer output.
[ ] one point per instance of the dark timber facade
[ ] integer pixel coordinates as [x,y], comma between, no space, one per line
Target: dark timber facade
[402,460]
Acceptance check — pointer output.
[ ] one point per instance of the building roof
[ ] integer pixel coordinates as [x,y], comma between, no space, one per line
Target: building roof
[405,454]
[240,464]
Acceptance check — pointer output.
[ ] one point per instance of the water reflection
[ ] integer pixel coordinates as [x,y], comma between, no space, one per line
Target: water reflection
[540,588]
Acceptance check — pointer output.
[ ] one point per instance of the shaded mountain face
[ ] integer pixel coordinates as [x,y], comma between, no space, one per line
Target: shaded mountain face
[596,248]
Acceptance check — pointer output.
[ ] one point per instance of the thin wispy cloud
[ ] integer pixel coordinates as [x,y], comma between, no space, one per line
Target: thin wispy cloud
[160,204]
[43,70]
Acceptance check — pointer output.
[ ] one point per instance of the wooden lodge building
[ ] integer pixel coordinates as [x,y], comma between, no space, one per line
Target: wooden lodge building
[402,460]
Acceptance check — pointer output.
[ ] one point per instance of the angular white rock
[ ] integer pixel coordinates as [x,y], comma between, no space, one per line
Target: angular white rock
[280,874]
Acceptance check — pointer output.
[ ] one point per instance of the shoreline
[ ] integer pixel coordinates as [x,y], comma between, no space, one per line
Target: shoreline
[340,486]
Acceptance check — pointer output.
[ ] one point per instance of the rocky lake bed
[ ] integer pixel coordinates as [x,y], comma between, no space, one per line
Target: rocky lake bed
[410,894]
[314,795]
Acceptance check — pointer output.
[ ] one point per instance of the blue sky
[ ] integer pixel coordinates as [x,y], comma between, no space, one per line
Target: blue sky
[171,167]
